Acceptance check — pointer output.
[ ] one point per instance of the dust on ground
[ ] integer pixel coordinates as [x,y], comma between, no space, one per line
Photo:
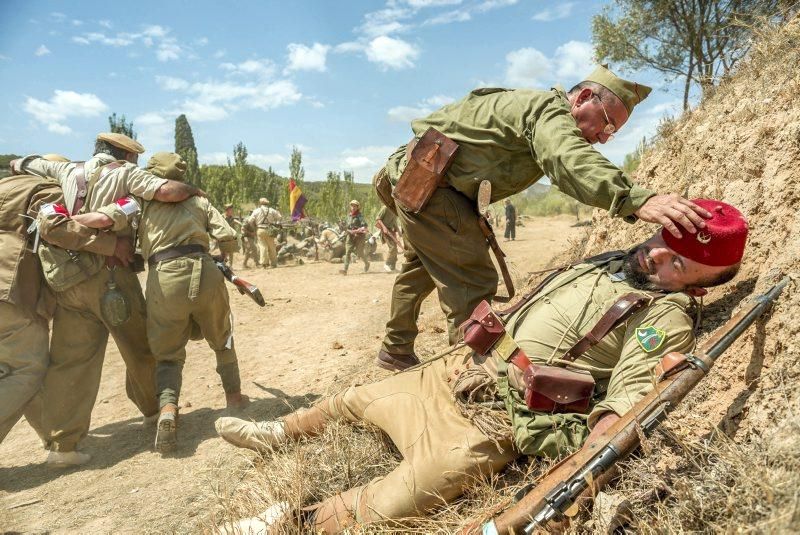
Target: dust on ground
[320,331]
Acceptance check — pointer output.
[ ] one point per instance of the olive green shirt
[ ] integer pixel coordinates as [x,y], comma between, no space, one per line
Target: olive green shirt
[562,314]
[514,137]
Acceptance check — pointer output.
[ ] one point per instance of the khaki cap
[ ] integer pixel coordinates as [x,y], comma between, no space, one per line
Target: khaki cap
[263,201]
[355,202]
[630,93]
[228,206]
[121,141]
[167,165]
[53,157]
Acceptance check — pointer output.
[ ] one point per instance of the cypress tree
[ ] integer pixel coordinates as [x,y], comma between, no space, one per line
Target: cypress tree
[184,145]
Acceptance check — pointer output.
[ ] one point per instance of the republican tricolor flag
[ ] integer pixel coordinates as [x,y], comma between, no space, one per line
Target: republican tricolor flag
[296,201]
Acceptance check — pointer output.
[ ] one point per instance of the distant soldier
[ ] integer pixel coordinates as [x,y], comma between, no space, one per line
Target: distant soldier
[267,221]
[356,228]
[236,224]
[183,286]
[83,283]
[511,221]
[249,246]
[26,303]
[386,222]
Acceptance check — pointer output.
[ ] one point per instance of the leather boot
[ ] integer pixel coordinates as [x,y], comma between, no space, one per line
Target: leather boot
[395,362]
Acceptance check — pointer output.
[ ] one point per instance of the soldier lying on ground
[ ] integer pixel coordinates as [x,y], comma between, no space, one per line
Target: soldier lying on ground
[468,415]
[184,287]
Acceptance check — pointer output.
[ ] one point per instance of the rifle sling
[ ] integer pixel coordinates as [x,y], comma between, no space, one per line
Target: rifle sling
[175,252]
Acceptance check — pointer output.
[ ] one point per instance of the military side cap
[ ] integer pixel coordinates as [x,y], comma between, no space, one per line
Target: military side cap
[53,157]
[167,165]
[721,243]
[121,141]
[355,202]
[228,206]
[630,93]
[263,201]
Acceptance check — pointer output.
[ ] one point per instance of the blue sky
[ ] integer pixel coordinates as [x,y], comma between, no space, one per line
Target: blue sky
[339,79]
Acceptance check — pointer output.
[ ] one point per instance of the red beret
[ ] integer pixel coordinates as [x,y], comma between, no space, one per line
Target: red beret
[721,243]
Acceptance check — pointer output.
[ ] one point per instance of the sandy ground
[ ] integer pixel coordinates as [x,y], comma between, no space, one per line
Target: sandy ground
[318,331]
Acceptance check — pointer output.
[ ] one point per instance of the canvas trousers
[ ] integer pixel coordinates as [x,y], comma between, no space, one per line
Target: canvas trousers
[267,254]
[77,350]
[23,362]
[445,251]
[442,451]
[355,245]
[182,292]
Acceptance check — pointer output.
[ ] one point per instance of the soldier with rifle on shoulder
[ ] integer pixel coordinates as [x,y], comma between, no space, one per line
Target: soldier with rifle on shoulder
[544,378]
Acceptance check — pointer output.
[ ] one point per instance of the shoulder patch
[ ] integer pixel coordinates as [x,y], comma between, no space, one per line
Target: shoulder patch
[650,338]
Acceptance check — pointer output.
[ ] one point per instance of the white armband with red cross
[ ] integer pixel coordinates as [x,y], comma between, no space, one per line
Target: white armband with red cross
[53,208]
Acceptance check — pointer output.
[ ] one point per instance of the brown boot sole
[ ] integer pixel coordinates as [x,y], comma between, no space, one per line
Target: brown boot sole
[166,436]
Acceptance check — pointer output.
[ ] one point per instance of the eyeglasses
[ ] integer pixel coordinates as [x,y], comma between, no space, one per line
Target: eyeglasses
[609,129]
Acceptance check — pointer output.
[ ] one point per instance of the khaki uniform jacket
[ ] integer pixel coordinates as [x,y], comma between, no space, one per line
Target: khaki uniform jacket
[514,137]
[563,313]
[388,218]
[265,216]
[21,280]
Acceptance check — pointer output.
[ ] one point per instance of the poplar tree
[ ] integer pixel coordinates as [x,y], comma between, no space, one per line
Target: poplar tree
[118,125]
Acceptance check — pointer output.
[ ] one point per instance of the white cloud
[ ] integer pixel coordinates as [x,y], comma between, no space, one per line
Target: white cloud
[3,57]
[357,162]
[219,54]
[58,16]
[261,67]
[202,41]
[166,47]
[63,105]
[155,130]
[574,60]
[305,58]
[405,114]
[559,11]
[76,22]
[385,21]
[391,53]
[105,24]
[449,17]
[42,51]
[298,146]
[202,111]
[488,5]
[171,83]
[214,158]
[527,67]
[432,3]
[266,160]
[365,161]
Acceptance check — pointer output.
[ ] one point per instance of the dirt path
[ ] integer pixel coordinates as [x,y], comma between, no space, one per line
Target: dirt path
[318,332]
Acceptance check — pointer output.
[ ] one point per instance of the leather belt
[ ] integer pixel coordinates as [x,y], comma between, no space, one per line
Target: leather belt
[174,252]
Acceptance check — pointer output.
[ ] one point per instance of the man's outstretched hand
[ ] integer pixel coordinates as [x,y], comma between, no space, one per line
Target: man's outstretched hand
[670,210]
[124,250]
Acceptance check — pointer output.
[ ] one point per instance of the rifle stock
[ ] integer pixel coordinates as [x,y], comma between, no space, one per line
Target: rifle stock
[588,469]
[244,287]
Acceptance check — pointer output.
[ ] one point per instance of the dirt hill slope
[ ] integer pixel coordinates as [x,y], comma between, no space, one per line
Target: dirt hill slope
[743,146]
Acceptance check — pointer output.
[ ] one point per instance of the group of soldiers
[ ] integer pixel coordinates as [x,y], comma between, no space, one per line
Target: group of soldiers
[464,415]
[74,231]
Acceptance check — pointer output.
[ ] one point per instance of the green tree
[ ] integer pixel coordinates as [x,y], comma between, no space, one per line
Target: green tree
[697,40]
[118,125]
[296,170]
[184,145]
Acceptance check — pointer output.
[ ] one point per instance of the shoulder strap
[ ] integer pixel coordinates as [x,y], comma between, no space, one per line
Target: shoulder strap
[99,175]
[80,181]
[620,311]
[594,260]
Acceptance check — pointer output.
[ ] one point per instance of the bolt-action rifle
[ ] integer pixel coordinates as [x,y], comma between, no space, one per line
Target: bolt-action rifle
[393,236]
[244,287]
[581,475]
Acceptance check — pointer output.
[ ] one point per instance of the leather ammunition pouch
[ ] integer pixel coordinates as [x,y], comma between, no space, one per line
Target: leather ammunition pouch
[427,165]
[555,389]
[482,329]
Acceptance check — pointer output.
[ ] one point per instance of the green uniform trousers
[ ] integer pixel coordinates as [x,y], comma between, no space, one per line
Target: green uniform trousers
[446,251]
[267,254]
[23,363]
[442,451]
[182,292]
[77,349]
[355,245]
[249,249]
[391,254]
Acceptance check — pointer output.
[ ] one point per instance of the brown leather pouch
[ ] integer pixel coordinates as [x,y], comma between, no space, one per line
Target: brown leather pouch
[482,329]
[428,162]
[554,389]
